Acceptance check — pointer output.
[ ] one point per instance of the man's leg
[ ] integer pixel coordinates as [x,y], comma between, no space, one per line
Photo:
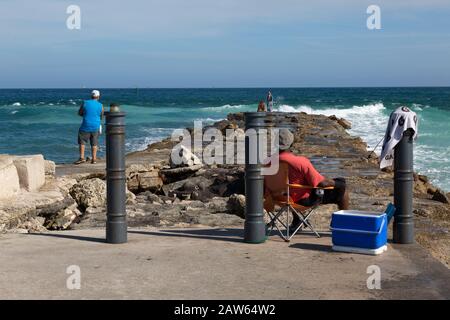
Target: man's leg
[81,145]
[94,153]
[94,144]
[82,149]
[344,202]
[339,195]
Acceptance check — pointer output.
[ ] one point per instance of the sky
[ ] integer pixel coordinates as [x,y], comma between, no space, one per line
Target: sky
[224,43]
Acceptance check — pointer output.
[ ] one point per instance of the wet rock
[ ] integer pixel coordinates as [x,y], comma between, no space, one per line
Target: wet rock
[440,196]
[236,205]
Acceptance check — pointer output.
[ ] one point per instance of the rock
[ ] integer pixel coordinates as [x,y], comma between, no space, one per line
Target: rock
[420,188]
[345,123]
[89,193]
[141,177]
[186,158]
[92,193]
[432,190]
[94,211]
[150,181]
[236,205]
[52,209]
[217,205]
[31,171]
[176,174]
[153,198]
[50,168]
[239,116]
[421,212]
[63,219]
[333,117]
[8,177]
[423,178]
[33,225]
[440,196]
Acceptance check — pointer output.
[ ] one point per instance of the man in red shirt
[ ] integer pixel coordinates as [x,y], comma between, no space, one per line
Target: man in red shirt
[301,171]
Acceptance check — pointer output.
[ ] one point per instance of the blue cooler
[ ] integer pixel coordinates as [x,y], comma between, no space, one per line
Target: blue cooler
[360,231]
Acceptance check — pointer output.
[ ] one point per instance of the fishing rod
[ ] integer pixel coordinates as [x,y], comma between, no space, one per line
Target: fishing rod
[370,154]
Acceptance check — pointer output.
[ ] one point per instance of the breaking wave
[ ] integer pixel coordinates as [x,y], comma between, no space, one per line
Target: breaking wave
[368,121]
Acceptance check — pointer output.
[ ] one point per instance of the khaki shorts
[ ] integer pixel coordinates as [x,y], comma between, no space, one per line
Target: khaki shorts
[88,137]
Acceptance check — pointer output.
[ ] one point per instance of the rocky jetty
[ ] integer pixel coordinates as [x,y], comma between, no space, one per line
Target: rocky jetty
[163,193]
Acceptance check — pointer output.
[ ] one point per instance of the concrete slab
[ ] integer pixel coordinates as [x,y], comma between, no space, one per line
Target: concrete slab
[209,264]
[31,171]
[8,178]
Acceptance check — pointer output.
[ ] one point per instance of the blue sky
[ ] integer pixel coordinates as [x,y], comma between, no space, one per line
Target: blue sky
[224,43]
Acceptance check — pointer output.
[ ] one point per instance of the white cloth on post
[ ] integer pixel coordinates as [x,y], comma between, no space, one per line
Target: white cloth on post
[400,120]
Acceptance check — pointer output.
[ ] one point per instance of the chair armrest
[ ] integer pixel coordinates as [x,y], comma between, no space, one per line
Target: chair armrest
[300,186]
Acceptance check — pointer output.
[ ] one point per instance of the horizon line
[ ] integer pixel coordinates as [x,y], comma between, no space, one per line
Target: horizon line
[212,87]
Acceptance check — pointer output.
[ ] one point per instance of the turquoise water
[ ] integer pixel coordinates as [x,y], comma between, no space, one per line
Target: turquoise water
[46,121]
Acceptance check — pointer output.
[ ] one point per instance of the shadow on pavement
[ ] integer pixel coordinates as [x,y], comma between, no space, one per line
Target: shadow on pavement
[223,234]
[312,247]
[68,236]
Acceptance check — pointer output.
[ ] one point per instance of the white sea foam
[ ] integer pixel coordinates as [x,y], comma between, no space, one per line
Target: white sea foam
[208,120]
[16,104]
[368,121]
[14,112]
[228,107]
[154,135]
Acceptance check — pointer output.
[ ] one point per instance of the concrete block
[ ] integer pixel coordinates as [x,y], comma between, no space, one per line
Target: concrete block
[31,171]
[9,179]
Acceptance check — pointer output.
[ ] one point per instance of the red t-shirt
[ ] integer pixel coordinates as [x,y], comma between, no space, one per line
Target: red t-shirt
[301,171]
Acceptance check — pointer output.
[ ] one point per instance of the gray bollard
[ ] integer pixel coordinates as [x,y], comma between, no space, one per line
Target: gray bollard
[116,223]
[403,189]
[254,228]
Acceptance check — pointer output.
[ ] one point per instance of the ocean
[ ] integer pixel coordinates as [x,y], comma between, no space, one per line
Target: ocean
[46,121]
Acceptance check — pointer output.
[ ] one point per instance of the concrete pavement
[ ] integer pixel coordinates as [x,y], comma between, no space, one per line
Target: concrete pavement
[208,264]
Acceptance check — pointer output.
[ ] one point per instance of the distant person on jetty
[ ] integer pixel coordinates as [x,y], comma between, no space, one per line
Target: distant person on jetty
[92,113]
[301,171]
[269,102]
[262,106]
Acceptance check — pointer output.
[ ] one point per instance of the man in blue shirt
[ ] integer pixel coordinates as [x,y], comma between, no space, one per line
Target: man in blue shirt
[92,113]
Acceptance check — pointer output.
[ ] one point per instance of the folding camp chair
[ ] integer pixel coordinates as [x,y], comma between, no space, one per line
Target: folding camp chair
[277,194]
